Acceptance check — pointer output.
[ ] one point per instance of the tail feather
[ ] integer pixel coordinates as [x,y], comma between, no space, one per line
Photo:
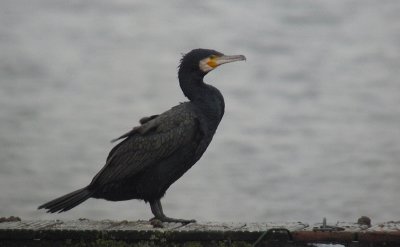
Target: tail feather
[68,201]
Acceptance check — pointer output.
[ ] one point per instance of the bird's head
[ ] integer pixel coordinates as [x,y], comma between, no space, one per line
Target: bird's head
[202,61]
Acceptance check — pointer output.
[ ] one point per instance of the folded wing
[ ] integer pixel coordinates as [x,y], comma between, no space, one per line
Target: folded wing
[145,145]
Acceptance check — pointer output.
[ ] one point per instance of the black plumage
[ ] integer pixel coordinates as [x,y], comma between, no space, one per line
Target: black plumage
[163,147]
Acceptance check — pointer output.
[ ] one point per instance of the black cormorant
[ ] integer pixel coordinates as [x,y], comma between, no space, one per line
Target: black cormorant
[155,154]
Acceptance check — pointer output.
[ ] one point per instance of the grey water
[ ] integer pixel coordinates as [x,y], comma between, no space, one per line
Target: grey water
[312,122]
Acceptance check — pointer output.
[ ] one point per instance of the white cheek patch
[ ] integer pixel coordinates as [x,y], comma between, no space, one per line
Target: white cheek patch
[204,66]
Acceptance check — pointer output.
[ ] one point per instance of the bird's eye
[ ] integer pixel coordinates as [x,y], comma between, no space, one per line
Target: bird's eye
[213,56]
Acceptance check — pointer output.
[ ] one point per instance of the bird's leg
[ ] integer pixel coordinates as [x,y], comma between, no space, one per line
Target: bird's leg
[157,210]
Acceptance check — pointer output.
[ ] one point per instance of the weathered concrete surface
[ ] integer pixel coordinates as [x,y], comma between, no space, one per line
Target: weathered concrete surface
[84,232]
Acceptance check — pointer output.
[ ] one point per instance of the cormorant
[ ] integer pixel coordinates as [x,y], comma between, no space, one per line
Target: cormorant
[155,154]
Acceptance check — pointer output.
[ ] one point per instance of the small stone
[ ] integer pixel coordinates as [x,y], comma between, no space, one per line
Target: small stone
[364,220]
[156,223]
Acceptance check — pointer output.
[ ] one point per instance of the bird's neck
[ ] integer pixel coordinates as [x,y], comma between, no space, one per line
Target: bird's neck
[192,85]
[207,98]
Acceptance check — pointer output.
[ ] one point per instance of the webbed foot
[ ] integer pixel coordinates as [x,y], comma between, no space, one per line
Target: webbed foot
[159,215]
[168,219]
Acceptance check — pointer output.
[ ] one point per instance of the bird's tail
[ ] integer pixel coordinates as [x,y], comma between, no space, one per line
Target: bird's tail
[68,201]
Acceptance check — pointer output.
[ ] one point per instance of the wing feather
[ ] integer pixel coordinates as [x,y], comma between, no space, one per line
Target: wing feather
[152,142]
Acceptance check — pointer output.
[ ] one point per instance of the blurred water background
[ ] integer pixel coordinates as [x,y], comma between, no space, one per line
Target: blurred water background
[312,123]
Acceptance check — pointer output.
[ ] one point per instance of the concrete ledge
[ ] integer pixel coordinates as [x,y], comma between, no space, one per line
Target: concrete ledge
[86,232]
